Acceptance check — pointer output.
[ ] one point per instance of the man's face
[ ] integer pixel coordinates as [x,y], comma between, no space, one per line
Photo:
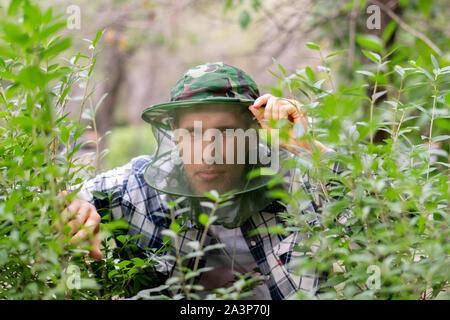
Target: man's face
[202,175]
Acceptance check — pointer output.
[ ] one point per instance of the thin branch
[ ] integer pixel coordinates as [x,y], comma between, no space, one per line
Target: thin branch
[352,31]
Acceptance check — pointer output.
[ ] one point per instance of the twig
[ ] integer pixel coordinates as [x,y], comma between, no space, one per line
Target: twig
[431,130]
[372,104]
[97,153]
[352,31]
[178,257]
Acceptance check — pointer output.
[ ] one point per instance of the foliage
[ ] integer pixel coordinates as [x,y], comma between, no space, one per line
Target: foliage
[387,212]
[39,144]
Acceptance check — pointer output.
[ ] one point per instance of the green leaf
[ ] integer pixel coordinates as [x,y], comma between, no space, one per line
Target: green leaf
[52,29]
[31,77]
[435,63]
[112,273]
[97,37]
[336,53]
[213,195]
[13,6]
[123,264]
[47,16]
[99,195]
[280,67]
[14,33]
[399,70]
[310,73]
[447,98]
[207,204]
[276,76]
[425,7]
[389,30]
[65,132]
[260,172]
[175,227]
[203,219]
[425,72]
[376,95]
[122,239]
[440,138]
[244,19]
[372,56]
[91,69]
[56,48]
[32,16]
[313,46]
[366,73]
[370,42]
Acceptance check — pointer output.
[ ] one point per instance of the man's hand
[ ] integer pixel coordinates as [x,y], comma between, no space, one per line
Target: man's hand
[280,108]
[79,213]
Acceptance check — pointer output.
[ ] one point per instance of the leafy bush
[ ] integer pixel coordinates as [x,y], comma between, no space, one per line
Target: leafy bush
[383,231]
[38,146]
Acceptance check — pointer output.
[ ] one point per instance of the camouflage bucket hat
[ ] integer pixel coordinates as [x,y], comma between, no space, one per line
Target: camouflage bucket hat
[206,83]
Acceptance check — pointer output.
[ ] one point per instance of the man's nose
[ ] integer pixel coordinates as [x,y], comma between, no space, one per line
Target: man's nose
[212,151]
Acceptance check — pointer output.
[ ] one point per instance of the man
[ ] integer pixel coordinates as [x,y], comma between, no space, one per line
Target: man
[217,100]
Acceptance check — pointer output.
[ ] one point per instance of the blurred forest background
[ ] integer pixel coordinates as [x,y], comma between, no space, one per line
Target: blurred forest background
[148,44]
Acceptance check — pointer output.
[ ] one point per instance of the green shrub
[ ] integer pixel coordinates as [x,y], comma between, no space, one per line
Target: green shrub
[38,143]
[383,231]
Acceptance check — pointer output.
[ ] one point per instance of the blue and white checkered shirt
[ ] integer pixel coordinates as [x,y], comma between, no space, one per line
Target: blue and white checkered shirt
[141,206]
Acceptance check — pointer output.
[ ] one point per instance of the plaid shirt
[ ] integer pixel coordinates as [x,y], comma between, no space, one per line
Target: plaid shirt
[142,207]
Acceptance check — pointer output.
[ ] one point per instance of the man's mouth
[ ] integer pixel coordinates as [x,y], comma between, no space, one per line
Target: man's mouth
[209,174]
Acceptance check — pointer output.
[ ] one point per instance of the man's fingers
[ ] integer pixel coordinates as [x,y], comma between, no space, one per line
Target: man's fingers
[95,253]
[84,234]
[80,218]
[262,100]
[268,110]
[84,222]
[276,111]
[74,226]
[76,213]
[278,108]
[63,193]
[91,225]
[258,113]
[285,111]
[70,212]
